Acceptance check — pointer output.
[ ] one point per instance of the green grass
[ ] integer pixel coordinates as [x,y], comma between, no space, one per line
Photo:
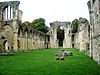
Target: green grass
[42,62]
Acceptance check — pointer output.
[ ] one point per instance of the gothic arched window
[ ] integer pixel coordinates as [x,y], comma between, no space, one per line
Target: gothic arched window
[8,13]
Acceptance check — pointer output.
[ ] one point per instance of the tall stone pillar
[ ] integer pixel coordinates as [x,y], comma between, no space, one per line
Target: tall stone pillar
[1,15]
[65,38]
[15,43]
[55,39]
[89,4]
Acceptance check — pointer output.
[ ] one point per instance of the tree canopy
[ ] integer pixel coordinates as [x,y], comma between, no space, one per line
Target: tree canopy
[38,24]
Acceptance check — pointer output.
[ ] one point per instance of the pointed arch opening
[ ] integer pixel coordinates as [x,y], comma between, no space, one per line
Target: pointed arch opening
[18,44]
[7,13]
[60,36]
[6,45]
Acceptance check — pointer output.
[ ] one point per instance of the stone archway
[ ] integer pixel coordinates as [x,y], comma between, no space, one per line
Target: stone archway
[6,45]
[60,36]
[67,34]
[18,44]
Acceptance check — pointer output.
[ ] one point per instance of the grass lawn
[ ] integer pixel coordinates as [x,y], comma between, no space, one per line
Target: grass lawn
[42,62]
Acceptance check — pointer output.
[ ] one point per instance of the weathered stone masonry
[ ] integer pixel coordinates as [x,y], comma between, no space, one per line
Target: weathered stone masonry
[67,42]
[81,38]
[94,11]
[87,39]
[13,34]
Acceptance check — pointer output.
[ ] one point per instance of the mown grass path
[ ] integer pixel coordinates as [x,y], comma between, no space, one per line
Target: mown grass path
[42,62]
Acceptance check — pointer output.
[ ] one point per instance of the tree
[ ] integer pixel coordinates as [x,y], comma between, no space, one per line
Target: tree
[75,24]
[39,24]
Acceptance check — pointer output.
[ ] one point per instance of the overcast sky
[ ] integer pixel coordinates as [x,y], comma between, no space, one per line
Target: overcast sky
[53,10]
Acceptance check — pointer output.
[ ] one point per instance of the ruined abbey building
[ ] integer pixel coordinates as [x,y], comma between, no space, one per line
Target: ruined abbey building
[18,37]
[13,34]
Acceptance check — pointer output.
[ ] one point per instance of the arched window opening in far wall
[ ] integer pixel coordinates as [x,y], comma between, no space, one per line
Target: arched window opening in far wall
[8,13]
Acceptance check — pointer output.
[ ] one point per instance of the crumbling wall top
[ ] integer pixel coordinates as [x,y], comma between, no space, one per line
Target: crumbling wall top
[83,20]
[13,4]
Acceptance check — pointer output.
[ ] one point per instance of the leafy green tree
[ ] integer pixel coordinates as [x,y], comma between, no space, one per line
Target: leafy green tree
[75,24]
[39,24]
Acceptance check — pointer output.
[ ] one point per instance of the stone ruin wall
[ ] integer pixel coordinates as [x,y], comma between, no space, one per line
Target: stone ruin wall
[91,43]
[94,11]
[13,34]
[29,38]
[67,42]
[81,38]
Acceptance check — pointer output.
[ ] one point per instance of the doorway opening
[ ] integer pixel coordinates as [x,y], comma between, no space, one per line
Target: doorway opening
[60,36]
